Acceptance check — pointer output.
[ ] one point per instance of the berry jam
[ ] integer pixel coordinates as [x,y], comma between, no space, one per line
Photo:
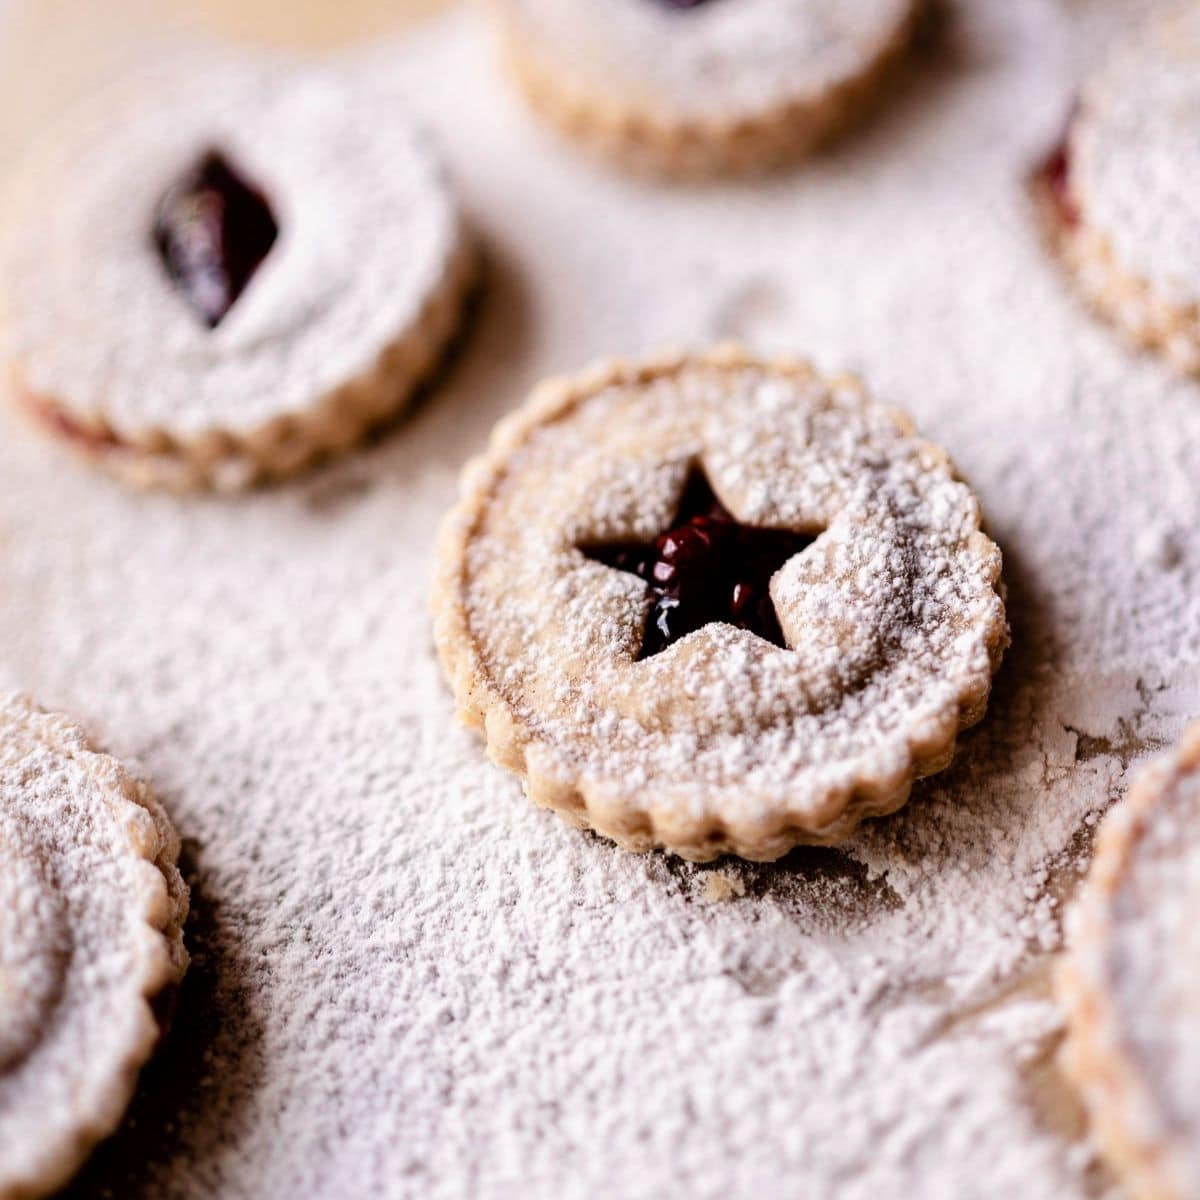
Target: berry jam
[213,230]
[707,567]
[1056,175]
[63,425]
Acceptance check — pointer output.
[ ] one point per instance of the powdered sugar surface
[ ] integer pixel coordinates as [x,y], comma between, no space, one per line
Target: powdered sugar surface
[891,616]
[721,60]
[1135,165]
[407,980]
[366,231]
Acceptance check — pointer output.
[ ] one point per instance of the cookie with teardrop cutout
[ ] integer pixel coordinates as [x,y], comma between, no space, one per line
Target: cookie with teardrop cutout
[218,270]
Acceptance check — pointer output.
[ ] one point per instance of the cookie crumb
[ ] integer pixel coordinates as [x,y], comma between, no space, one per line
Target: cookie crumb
[718,886]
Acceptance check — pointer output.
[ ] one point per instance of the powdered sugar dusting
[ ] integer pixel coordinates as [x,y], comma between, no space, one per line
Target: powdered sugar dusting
[408,980]
[720,60]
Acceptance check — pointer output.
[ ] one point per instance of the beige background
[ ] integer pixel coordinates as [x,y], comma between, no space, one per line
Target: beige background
[51,50]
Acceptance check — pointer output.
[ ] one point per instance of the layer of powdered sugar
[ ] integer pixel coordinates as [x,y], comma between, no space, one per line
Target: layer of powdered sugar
[366,229]
[890,615]
[78,952]
[407,980]
[1134,161]
[33,941]
[1152,967]
[723,60]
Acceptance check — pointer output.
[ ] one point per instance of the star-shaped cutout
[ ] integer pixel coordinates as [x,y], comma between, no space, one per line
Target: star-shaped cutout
[705,567]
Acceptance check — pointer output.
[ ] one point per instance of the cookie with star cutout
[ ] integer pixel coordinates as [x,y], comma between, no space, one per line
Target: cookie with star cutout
[716,604]
[702,87]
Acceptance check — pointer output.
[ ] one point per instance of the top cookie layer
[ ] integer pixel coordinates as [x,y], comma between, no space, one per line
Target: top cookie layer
[91,909]
[891,617]
[366,233]
[720,61]
[1135,172]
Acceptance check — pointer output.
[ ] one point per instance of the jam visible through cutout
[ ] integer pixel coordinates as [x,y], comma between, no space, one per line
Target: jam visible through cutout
[706,567]
[1056,178]
[63,425]
[1053,176]
[213,230]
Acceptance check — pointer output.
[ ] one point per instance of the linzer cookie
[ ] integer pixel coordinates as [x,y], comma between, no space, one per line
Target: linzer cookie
[688,87]
[1131,981]
[215,272]
[716,604]
[91,913]
[1121,194]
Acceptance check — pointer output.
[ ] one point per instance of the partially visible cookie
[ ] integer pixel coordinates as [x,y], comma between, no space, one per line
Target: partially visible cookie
[699,87]
[716,604]
[91,916]
[216,271]
[1121,194]
[1130,983]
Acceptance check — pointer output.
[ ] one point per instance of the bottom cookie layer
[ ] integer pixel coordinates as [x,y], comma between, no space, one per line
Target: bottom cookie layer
[225,461]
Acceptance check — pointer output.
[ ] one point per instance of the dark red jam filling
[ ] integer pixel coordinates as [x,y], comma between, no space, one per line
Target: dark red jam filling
[213,230]
[1056,174]
[65,426]
[706,567]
